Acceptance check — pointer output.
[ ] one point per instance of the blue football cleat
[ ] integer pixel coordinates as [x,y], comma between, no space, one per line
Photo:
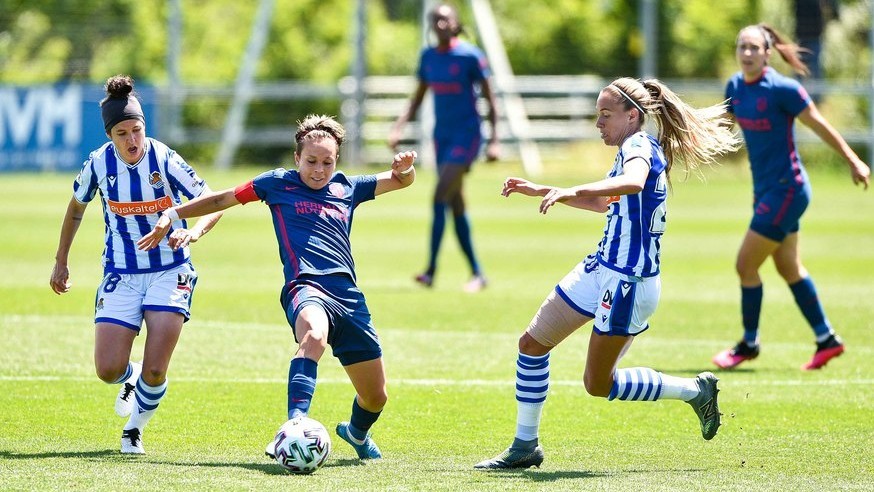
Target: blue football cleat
[366,449]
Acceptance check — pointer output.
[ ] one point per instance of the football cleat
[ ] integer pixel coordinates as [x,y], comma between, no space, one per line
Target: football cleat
[705,404]
[270,450]
[513,458]
[826,350]
[476,284]
[424,279]
[132,442]
[366,449]
[124,402]
[731,358]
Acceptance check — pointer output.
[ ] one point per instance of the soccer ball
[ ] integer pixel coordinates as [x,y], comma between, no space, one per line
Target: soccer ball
[302,445]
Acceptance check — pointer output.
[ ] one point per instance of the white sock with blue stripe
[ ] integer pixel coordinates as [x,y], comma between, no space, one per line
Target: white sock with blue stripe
[532,386]
[145,404]
[645,384]
[636,384]
[127,374]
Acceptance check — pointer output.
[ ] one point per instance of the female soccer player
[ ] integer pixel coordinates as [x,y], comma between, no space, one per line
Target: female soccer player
[312,208]
[618,286]
[453,69]
[765,104]
[137,177]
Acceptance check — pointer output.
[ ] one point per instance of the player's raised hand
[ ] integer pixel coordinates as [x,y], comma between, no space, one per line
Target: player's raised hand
[153,239]
[403,161]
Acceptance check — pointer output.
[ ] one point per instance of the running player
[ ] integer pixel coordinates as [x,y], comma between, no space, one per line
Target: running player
[453,70]
[137,177]
[765,104]
[618,286]
[312,208]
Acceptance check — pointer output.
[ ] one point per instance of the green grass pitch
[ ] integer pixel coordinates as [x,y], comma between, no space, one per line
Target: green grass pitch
[449,356]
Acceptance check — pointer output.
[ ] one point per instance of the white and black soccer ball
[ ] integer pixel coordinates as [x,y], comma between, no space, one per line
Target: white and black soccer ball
[302,445]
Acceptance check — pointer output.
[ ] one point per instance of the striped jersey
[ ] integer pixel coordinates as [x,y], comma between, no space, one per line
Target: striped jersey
[635,223]
[132,196]
[765,109]
[312,226]
[452,75]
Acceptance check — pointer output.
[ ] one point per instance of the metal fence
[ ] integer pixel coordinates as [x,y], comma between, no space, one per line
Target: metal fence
[560,110]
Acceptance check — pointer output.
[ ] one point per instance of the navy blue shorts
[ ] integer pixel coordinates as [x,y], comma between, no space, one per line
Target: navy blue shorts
[777,212]
[459,148]
[351,334]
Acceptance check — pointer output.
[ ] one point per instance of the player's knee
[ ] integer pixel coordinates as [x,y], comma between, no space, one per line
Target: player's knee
[596,386]
[154,376]
[374,402]
[529,346]
[314,340]
[746,270]
[109,374]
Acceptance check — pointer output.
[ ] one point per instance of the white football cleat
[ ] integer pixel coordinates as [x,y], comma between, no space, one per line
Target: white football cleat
[270,450]
[132,442]
[124,402]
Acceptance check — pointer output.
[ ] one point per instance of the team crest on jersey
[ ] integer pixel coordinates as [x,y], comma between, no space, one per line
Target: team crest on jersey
[761,104]
[337,190]
[156,180]
[99,304]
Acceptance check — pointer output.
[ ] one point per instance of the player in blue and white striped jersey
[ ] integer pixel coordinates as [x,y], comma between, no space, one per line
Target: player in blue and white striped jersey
[137,178]
[618,286]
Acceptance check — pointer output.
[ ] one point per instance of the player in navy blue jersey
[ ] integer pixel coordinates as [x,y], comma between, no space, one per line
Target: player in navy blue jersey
[312,209]
[136,177]
[618,286]
[765,104]
[453,69]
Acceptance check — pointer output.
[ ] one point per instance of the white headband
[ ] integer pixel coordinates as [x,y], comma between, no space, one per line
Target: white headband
[632,101]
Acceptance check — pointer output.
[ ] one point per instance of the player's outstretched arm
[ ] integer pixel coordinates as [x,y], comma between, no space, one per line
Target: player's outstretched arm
[524,187]
[597,195]
[207,203]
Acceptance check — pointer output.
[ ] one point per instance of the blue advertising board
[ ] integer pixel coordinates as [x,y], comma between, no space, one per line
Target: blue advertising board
[55,127]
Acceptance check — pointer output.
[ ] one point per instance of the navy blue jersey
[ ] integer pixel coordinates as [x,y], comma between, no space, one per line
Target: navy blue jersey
[452,76]
[312,226]
[766,109]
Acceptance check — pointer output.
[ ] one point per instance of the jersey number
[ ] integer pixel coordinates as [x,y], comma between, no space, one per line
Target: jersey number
[658,221]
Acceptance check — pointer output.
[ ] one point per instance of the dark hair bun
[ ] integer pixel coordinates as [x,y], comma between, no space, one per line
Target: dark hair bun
[119,86]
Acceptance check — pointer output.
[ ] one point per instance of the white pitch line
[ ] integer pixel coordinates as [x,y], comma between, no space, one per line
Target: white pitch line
[449,382]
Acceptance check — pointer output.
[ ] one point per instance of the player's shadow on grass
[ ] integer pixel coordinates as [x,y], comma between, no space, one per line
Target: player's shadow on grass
[268,467]
[548,476]
[103,453]
[552,476]
[716,371]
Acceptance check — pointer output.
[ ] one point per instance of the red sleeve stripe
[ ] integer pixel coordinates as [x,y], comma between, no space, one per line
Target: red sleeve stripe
[245,193]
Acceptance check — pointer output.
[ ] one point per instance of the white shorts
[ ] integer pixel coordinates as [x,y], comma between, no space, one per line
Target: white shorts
[123,297]
[619,304]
